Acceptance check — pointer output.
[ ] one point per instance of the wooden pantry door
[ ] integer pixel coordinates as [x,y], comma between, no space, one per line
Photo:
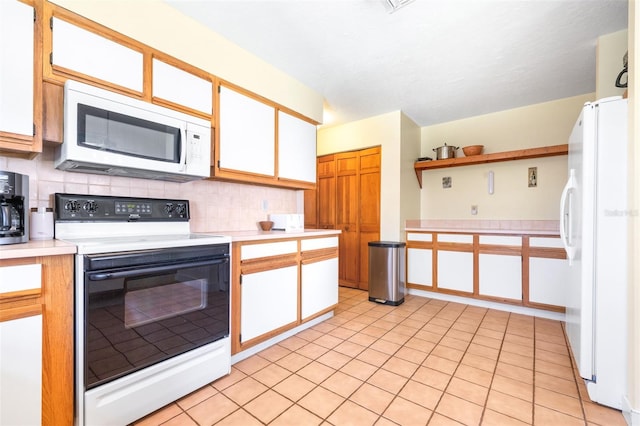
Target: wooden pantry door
[347,197]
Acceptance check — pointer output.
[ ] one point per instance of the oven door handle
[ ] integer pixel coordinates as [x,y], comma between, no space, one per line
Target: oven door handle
[101,276]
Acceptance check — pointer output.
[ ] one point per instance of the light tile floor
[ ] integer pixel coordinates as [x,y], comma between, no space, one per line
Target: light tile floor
[423,362]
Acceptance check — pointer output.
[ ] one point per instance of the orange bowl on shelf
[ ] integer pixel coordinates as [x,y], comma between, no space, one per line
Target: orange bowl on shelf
[265,225]
[472,150]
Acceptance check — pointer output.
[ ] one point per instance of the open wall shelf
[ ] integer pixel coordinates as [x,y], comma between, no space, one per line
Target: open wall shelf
[520,154]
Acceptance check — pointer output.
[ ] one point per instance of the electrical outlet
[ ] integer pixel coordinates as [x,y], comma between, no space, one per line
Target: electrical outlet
[474,210]
[265,205]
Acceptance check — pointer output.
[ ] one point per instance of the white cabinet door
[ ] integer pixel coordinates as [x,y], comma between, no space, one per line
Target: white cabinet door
[16,67]
[455,270]
[181,87]
[247,134]
[548,280]
[269,300]
[21,352]
[296,148]
[420,266]
[319,286]
[500,276]
[21,371]
[87,53]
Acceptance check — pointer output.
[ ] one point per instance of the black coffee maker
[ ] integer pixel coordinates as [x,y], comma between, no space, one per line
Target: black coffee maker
[14,208]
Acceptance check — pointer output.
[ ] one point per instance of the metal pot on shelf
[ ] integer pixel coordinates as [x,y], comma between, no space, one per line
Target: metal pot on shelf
[443,152]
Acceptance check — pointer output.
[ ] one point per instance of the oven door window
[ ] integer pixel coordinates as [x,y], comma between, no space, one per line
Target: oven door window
[114,132]
[136,317]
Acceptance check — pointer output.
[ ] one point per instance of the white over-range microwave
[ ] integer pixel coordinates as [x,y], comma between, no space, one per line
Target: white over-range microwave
[112,134]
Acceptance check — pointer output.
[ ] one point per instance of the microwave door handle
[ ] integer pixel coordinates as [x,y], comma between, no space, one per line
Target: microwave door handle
[183,150]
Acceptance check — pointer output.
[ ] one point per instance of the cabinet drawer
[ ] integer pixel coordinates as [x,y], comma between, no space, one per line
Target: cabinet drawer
[545,242]
[255,251]
[501,240]
[20,278]
[413,236]
[318,243]
[455,238]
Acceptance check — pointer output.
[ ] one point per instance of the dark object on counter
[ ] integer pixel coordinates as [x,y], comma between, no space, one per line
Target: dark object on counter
[386,272]
[424,159]
[443,152]
[14,208]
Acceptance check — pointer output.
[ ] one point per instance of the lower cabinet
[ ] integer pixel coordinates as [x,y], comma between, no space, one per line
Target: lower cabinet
[455,271]
[420,266]
[548,272]
[21,371]
[36,340]
[319,287]
[500,276]
[280,283]
[269,301]
[21,345]
[516,269]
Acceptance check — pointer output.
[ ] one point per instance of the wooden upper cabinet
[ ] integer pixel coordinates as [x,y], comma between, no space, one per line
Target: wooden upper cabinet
[296,148]
[79,51]
[181,88]
[257,142]
[246,134]
[20,79]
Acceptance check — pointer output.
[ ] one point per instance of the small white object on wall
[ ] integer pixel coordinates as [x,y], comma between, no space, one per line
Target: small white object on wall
[490,182]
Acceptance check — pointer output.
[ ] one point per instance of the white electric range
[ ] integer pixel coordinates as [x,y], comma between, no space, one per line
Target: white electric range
[152,304]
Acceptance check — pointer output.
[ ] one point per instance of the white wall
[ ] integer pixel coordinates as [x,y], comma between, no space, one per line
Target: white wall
[162,27]
[544,124]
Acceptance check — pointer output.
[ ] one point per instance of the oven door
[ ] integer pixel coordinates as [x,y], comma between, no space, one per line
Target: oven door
[144,307]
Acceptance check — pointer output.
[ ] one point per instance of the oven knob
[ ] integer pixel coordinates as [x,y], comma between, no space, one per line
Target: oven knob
[181,209]
[168,208]
[71,206]
[90,206]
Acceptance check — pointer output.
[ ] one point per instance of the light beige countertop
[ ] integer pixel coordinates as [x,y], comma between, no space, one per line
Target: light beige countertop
[513,227]
[238,236]
[35,248]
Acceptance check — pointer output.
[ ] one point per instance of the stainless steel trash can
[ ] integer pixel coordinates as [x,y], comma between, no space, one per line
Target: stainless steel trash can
[386,272]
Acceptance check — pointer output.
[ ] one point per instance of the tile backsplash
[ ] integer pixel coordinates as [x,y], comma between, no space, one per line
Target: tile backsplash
[215,206]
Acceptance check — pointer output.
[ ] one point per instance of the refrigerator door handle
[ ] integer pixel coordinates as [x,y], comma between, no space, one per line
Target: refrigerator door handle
[566,226]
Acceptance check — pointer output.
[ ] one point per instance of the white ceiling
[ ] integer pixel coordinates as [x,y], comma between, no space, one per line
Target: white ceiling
[436,60]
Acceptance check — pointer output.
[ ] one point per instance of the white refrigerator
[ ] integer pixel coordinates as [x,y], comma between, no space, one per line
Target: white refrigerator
[593,227]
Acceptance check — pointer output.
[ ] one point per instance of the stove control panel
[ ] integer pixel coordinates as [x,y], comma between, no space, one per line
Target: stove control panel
[74,207]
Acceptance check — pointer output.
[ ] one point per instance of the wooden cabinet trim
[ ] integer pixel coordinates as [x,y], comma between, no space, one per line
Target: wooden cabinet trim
[20,312]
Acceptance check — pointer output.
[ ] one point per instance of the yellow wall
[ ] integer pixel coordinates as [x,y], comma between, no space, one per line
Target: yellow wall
[544,124]
[399,138]
[610,50]
[162,27]
[383,130]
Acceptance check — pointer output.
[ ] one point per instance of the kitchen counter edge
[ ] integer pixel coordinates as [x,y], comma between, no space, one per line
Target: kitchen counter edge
[485,231]
[240,236]
[36,248]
